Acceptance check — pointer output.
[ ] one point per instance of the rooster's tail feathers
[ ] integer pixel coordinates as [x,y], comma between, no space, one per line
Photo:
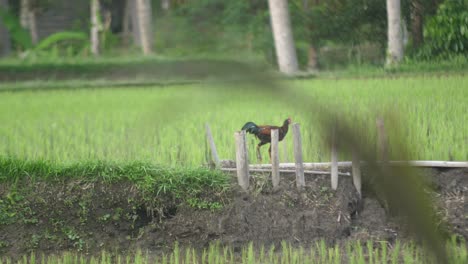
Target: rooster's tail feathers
[250,127]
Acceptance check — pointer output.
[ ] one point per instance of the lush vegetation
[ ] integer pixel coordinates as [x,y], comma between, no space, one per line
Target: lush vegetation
[165,125]
[353,252]
[196,187]
[350,32]
[447,31]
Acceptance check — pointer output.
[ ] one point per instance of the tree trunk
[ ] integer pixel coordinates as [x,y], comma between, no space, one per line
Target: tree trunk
[165,5]
[417,23]
[127,21]
[282,34]
[395,36]
[28,19]
[133,22]
[95,27]
[24,13]
[5,44]
[33,26]
[143,13]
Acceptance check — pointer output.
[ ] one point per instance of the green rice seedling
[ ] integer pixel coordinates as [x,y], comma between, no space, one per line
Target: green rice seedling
[402,253]
[262,258]
[337,254]
[250,258]
[359,251]
[137,124]
[395,252]
[188,256]
[204,256]
[383,246]
[350,253]
[271,254]
[370,252]
[313,254]
[322,251]
[138,257]
[195,257]
[175,256]
[376,255]
[408,252]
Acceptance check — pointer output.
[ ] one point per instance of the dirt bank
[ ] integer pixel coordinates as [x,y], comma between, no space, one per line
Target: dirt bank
[91,216]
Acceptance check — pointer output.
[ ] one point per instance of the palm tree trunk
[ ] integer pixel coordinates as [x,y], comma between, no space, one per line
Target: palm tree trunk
[143,11]
[95,26]
[395,36]
[33,26]
[28,19]
[133,22]
[24,13]
[165,5]
[282,34]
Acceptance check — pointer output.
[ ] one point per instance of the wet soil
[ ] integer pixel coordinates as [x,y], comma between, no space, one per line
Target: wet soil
[84,216]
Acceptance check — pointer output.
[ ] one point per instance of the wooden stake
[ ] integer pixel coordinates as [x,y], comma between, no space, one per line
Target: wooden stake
[357,172]
[334,162]
[300,181]
[275,158]
[242,162]
[214,152]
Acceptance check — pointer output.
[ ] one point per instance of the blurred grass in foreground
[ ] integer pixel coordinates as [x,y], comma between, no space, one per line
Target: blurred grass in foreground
[354,252]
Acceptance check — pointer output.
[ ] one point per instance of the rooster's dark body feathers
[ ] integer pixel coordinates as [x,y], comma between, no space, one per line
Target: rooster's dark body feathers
[263,133]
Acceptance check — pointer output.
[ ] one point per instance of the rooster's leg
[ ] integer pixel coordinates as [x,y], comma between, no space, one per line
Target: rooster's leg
[269,152]
[259,155]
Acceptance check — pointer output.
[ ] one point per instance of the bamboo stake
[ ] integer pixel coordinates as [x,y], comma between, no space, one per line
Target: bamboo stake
[214,152]
[357,173]
[242,162]
[275,158]
[334,162]
[300,181]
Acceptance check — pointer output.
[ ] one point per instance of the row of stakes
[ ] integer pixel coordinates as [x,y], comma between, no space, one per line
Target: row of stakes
[242,163]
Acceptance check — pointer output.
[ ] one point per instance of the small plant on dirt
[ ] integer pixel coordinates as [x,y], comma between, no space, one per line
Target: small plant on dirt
[7,212]
[29,216]
[4,244]
[83,211]
[49,236]
[104,218]
[202,204]
[132,216]
[76,240]
[34,242]
[117,214]
[57,223]
[10,207]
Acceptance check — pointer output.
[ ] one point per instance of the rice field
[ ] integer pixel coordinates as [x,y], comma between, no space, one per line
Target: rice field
[165,125]
[355,252]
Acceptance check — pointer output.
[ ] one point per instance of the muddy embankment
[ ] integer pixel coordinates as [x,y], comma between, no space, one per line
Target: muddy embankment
[92,216]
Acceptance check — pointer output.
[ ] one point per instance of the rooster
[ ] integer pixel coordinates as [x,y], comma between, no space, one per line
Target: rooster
[264,134]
